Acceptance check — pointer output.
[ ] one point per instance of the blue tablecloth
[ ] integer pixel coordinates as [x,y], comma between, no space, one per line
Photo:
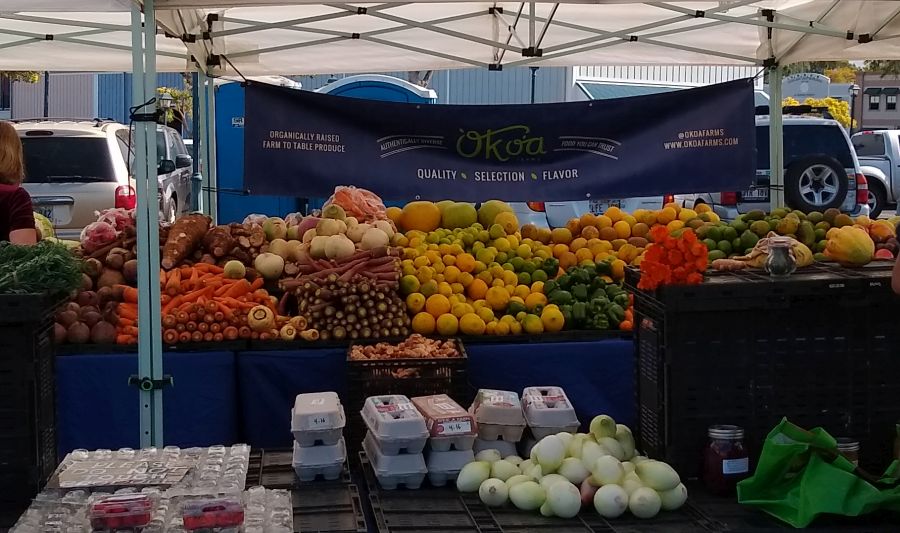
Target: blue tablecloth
[269,381]
[598,376]
[96,408]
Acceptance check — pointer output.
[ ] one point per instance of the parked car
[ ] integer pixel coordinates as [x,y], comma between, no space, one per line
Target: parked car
[879,155]
[821,171]
[556,214]
[74,168]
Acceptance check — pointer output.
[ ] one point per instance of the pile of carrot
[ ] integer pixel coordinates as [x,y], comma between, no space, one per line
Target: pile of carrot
[199,304]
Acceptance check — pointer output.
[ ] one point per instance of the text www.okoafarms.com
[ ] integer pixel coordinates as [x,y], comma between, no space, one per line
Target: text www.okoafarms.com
[701,143]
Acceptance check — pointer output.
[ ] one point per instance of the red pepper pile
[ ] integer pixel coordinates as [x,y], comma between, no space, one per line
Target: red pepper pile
[671,260]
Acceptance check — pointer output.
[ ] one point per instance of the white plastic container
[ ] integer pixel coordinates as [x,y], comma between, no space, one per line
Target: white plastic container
[325,461]
[449,425]
[498,414]
[505,448]
[548,411]
[393,470]
[396,424]
[444,467]
[317,418]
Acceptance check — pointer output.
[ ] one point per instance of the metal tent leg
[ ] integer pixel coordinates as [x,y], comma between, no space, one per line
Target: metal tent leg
[776,148]
[212,163]
[147,214]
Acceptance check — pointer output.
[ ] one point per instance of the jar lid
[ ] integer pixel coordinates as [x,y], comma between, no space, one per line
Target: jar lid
[847,444]
[726,432]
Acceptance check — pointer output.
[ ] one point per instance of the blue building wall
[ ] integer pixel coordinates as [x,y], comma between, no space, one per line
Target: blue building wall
[114,93]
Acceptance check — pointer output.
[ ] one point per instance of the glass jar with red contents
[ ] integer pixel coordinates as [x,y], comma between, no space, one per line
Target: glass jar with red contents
[725,460]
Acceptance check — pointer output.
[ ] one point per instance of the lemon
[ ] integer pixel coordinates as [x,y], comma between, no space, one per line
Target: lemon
[423,323]
[415,302]
[447,325]
[471,324]
[533,325]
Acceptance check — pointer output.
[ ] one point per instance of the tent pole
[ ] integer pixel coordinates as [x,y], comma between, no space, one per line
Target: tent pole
[776,153]
[211,162]
[203,134]
[147,213]
[196,179]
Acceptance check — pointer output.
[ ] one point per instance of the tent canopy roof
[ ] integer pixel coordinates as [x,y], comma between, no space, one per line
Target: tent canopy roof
[260,37]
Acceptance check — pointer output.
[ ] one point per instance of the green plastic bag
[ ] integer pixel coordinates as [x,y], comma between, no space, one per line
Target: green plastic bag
[801,475]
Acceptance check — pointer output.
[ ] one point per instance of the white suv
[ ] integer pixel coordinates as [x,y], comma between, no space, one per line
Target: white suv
[821,171]
[74,168]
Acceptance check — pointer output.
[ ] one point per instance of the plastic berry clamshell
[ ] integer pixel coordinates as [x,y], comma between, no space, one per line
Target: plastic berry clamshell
[212,513]
[126,511]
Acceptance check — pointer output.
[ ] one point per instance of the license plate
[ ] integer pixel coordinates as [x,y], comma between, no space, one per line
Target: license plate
[757,194]
[58,215]
[598,207]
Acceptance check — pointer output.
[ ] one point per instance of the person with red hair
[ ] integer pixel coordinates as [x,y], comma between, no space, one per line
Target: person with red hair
[16,215]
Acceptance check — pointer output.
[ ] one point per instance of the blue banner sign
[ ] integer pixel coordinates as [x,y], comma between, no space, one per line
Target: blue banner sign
[299,143]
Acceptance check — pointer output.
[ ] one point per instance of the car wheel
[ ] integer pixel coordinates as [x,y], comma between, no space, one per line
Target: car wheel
[170,210]
[877,197]
[815,184]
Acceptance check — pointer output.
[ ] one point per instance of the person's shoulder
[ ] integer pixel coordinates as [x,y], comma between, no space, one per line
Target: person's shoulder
[15,192]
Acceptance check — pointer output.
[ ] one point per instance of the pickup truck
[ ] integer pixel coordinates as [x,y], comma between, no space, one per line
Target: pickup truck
[878,152]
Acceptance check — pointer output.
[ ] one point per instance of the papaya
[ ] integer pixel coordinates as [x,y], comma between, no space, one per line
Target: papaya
[850,246]
[881,231]
[760,228]
[806,233]
[754,215]
[884,254]
[787,226]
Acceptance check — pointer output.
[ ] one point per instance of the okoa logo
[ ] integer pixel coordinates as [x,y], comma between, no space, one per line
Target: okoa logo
[500,145]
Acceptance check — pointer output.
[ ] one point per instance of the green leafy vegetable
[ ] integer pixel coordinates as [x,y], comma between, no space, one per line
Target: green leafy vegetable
[44,267]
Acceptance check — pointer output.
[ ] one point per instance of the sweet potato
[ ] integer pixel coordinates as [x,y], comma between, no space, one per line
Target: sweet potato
[185,235]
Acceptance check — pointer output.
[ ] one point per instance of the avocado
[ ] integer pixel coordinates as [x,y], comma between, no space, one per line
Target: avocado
[842,220]
[760,228]
[773,223]
[724,246]
[800,214]
[749,239]
[820,234]
[780,212]
[702,231]
[714,233]
[825,226]
[730,233]
[710,244]
[738,246]
[820,246]
[815,217]
[739,226]
[754,215]
[716,254]
[806,233]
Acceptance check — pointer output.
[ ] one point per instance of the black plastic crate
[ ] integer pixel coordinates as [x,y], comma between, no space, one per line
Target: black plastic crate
[272,469]
[409,377]
[444,510]
[328,510]
[817,348]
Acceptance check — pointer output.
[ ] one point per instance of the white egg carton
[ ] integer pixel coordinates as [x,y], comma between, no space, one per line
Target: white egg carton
[326,461]
[498,414]
[505,448]
[393,470]
[317,418]
[444,467]
[548,411]
[449,425]
[396,424]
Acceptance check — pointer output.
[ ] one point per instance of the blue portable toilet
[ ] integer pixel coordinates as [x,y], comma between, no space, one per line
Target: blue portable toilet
[234,202]
[380,87]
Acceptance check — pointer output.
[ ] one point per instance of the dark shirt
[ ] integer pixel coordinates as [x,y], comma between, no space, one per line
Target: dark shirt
[15,210]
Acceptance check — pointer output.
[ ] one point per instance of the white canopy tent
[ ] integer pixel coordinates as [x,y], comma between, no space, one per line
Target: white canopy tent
[289,37]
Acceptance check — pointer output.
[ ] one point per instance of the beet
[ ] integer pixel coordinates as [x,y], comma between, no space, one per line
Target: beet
[78,333]
[91,318]
[66,318]
[87,298]
[92,267]
[104,295]
[130,271]
[60,333]
[110,277]
[103,333]
[73,306]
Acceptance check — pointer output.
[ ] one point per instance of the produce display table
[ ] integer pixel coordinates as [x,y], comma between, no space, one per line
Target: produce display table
[232,396]
[96,408]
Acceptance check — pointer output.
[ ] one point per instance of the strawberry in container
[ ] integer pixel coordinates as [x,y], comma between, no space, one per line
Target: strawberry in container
[212,513]
[127,511]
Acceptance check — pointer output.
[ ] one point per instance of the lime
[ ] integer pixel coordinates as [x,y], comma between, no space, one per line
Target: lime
[710,244]
[724,246]
[731,233]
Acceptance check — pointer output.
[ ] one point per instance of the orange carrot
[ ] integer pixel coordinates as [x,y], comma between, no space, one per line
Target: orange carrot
[173,284]
[195,277]
[240,288]
[164,298]
[163,277]
[129,330]
[185,272]
[125,322]
[257,284]
[206,267]
[193,296]
[130,295]
[237,304]
[127,311]
[174,303]
[125,339]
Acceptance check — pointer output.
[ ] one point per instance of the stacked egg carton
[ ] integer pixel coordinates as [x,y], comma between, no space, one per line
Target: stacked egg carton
[395,440]
[451,436]
[500,420]
[317,422]
[548,411]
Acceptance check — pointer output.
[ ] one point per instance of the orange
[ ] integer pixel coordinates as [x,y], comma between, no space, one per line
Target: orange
[466,279]
[394,213]
[702,208]
[559,249]
[608,234]
[561,235]
[604,221]
[587,219]
[465,262]
[471,324]
[614,213]
[590,232]
[577,244]
[574,226]
[537,286]
[618,269]
[451,274]
[584,254]
[567,260]
[477,289]
[423,324]
[667,215]
[535,299]
[640,230]
[437,304]
[674,225]
[623,230]
[485,313]
[497,298]
[447,325]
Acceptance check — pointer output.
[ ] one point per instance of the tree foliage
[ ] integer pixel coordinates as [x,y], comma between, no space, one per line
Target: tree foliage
[883,67]
[839,109]
[816,67]
[182,101]
[841,74]
[27,76]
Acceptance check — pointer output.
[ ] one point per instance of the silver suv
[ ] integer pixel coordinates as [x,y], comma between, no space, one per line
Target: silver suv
[76,167]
